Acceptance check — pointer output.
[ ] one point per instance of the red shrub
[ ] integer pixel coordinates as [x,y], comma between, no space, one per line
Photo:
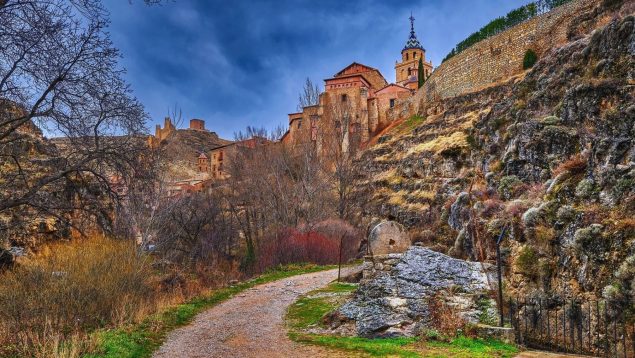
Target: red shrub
[576,164]
[320,245]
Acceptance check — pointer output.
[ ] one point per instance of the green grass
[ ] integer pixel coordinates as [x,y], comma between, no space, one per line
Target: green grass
[379,347]
[308,311]
[137,341]
[470,347]
[411,123]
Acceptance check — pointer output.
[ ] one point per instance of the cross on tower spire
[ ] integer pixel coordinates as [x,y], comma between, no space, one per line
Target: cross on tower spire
[412,23]
[412,42]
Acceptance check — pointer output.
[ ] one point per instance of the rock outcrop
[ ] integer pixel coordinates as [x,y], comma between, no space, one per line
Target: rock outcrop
[550,154]
[396,300]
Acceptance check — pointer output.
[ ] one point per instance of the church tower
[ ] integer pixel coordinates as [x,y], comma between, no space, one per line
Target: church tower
[407,70]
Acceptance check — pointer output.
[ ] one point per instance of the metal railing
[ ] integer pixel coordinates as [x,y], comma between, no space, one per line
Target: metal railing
[572,326]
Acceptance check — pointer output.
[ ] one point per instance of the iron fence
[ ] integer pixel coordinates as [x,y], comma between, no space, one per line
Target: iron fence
[572,326]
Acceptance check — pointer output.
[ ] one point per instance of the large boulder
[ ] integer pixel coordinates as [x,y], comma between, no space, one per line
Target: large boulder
[388,237]
[397,300]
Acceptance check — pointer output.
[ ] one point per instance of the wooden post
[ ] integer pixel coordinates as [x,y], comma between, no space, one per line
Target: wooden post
[339,261]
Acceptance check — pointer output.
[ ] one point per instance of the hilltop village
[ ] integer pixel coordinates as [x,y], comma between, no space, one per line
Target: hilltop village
[369,100]
[491,198]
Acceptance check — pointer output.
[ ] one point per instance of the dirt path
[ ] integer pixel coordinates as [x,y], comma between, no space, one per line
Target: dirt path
[249,325]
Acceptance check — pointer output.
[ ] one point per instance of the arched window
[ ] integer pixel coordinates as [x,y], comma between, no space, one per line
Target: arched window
[406,56]
[414,55]
[409,71]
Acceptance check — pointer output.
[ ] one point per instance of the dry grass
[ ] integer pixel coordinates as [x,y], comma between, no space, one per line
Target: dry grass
[441,143]
[69,290]
[443,316]
[576,164]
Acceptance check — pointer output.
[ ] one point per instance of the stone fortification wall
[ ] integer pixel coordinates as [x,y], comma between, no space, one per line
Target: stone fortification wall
[500,57]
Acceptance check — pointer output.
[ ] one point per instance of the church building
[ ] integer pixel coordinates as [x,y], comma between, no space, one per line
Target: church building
[366,94]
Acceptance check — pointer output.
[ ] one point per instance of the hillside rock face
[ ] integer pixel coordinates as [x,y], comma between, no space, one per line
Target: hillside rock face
[398,299]
[550,154]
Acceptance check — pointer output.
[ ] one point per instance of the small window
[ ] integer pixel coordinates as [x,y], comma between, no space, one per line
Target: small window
[344,98]
[409,71]
[392,103]
[299,123]
[406,56]
[414,55]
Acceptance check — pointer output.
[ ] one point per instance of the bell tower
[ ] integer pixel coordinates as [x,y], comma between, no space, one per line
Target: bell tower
[406,71]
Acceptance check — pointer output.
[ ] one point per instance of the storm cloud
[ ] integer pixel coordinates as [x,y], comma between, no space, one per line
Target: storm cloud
[238,63]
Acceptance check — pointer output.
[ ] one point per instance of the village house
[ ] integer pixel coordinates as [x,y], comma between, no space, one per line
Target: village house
[220,157]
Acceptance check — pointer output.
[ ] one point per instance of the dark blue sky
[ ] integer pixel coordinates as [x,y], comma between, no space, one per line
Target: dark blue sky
[239,63]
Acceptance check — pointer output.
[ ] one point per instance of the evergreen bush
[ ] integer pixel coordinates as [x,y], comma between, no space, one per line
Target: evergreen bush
[530,59]
[503,23]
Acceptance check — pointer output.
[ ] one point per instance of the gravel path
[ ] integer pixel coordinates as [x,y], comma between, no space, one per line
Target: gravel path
[251,324]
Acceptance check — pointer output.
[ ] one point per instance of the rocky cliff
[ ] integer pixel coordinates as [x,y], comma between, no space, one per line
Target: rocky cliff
[550,154]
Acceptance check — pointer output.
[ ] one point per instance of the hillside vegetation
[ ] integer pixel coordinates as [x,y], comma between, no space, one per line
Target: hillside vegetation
[550,155]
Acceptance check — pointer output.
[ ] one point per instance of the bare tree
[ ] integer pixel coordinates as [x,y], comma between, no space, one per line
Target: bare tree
[310,95]
[340,144]
[59,72]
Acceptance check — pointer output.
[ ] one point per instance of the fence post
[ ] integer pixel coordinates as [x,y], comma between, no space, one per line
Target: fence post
[511,313]
[564,325]
[500,275]
[589,335]
[556,326]
[606,329]
[624,335]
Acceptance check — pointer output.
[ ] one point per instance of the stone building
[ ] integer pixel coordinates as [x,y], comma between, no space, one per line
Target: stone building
[365,94]
[160,134]
[197,124]
[221,157]
[203,163]
[407,71]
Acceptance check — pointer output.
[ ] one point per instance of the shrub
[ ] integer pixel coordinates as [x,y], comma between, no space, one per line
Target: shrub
[527,262]
[530,59]
[589,241]
[623,186]
[531,216]
[566,213]
[551,120]
[576,164]
[443,316]
[320,245]
[586,189]
[73,288]
[509,186]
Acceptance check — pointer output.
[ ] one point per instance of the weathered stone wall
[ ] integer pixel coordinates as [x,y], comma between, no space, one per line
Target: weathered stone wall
[500,57]
[378,263]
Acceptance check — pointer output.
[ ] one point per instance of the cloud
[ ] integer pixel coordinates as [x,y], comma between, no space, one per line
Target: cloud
[242,63]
